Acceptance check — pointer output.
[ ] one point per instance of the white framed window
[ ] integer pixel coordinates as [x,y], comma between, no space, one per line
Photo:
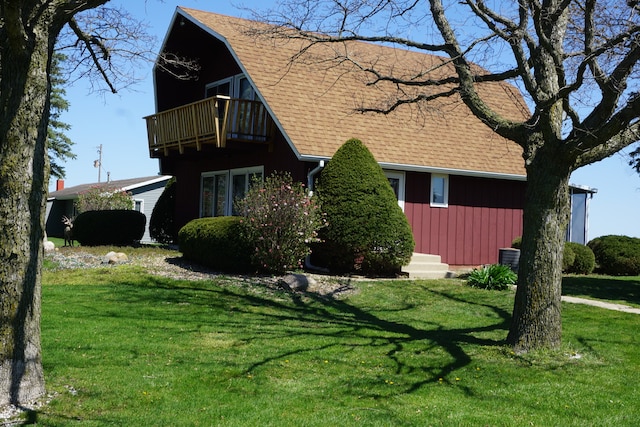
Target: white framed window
[237,86]
[439,196]
[138,205]
[220,189]
[396,179]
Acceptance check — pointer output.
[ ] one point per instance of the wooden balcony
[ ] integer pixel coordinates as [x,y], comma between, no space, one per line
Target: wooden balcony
[214,121]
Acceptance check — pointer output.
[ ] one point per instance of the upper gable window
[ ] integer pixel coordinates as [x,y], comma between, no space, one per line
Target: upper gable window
[221,87]
[439,190]
[235,87]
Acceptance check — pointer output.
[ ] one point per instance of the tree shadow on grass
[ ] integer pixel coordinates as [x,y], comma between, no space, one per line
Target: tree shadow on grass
[603,287]
[339,324]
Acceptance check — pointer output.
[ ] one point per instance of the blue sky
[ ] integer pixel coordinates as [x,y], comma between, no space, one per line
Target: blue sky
[115,122]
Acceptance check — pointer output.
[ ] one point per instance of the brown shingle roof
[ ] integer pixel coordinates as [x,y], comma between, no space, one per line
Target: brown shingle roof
[315,103]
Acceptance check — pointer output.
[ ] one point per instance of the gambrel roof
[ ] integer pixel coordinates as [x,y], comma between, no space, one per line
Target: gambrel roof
[314,102]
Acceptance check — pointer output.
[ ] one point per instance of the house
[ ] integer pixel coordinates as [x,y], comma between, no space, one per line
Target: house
[252,111]
[145,192]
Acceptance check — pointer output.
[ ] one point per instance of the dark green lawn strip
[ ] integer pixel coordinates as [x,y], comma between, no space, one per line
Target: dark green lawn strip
[622,290]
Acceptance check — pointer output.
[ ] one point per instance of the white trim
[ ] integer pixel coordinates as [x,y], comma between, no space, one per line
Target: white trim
[429,169]
[445,190]
[400,176]
[151,181]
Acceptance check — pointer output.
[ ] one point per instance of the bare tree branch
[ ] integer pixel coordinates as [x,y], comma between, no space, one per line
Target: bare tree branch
[89,43]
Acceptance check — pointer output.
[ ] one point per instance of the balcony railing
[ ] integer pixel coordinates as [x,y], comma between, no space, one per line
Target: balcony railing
[214,120]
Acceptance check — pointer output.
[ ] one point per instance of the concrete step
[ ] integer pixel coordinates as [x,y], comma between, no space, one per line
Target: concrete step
[427,266]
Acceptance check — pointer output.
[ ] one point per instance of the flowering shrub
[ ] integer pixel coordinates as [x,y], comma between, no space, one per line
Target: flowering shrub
[102,198]
[280,219]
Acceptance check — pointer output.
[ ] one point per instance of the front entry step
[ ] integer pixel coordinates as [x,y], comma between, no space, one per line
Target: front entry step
[426,266]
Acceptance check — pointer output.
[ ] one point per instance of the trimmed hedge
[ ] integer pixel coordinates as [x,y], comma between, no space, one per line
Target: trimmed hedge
[584,260]
[617,255]
[577,258]
[216,243]
[112,227]
[366,231]
[568,257]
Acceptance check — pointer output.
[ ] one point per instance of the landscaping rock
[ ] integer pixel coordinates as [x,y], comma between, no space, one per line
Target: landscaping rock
[115,258]
[49,246]
[297,282]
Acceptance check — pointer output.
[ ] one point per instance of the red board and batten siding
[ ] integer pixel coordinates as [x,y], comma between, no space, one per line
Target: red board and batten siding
[483,216]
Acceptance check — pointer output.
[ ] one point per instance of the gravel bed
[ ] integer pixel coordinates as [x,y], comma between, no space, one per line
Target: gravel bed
[175,267]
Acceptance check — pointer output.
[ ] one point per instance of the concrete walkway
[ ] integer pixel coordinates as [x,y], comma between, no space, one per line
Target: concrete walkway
[602,304]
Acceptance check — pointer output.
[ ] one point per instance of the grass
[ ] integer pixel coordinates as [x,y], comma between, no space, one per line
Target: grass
[122,347]
[622,290]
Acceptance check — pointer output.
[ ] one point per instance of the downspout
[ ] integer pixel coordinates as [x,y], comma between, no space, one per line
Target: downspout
[312,173]
[310,181]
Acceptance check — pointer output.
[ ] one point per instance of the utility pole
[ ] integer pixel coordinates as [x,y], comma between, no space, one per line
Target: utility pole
[98,163]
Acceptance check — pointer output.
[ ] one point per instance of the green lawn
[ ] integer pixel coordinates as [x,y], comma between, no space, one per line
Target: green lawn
[123,348]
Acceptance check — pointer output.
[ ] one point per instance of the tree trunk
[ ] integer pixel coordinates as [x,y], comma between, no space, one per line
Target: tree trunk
[536,321]
[24,94]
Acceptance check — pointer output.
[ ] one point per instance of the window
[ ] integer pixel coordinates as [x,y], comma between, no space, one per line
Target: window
[221,87]
[214,194]
[234,87]
[242,115]
[439,190]
[220,189]
[138,205]
[396,179]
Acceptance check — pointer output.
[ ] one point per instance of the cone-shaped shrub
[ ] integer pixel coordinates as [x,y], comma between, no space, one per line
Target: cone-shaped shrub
[366,230]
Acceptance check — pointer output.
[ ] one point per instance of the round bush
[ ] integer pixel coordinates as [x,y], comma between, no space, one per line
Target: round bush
[366,231]
[112,227]
[617,255]
[162,227]
[568,257]
[216,243]
[584,260]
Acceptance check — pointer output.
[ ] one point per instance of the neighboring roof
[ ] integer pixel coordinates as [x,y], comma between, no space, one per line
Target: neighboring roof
[123,184]
[314,103]
[577,188]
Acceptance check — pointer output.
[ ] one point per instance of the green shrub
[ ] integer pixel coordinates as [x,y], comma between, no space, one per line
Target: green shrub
[584,260]
[568,257]
[215,243]
[366,230]
[516,243]
[110,227]
[493,277]
[280,221]
[162,226]
[617,255]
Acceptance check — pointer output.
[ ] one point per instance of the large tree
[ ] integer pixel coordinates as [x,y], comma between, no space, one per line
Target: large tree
[576,62]
[103,44]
